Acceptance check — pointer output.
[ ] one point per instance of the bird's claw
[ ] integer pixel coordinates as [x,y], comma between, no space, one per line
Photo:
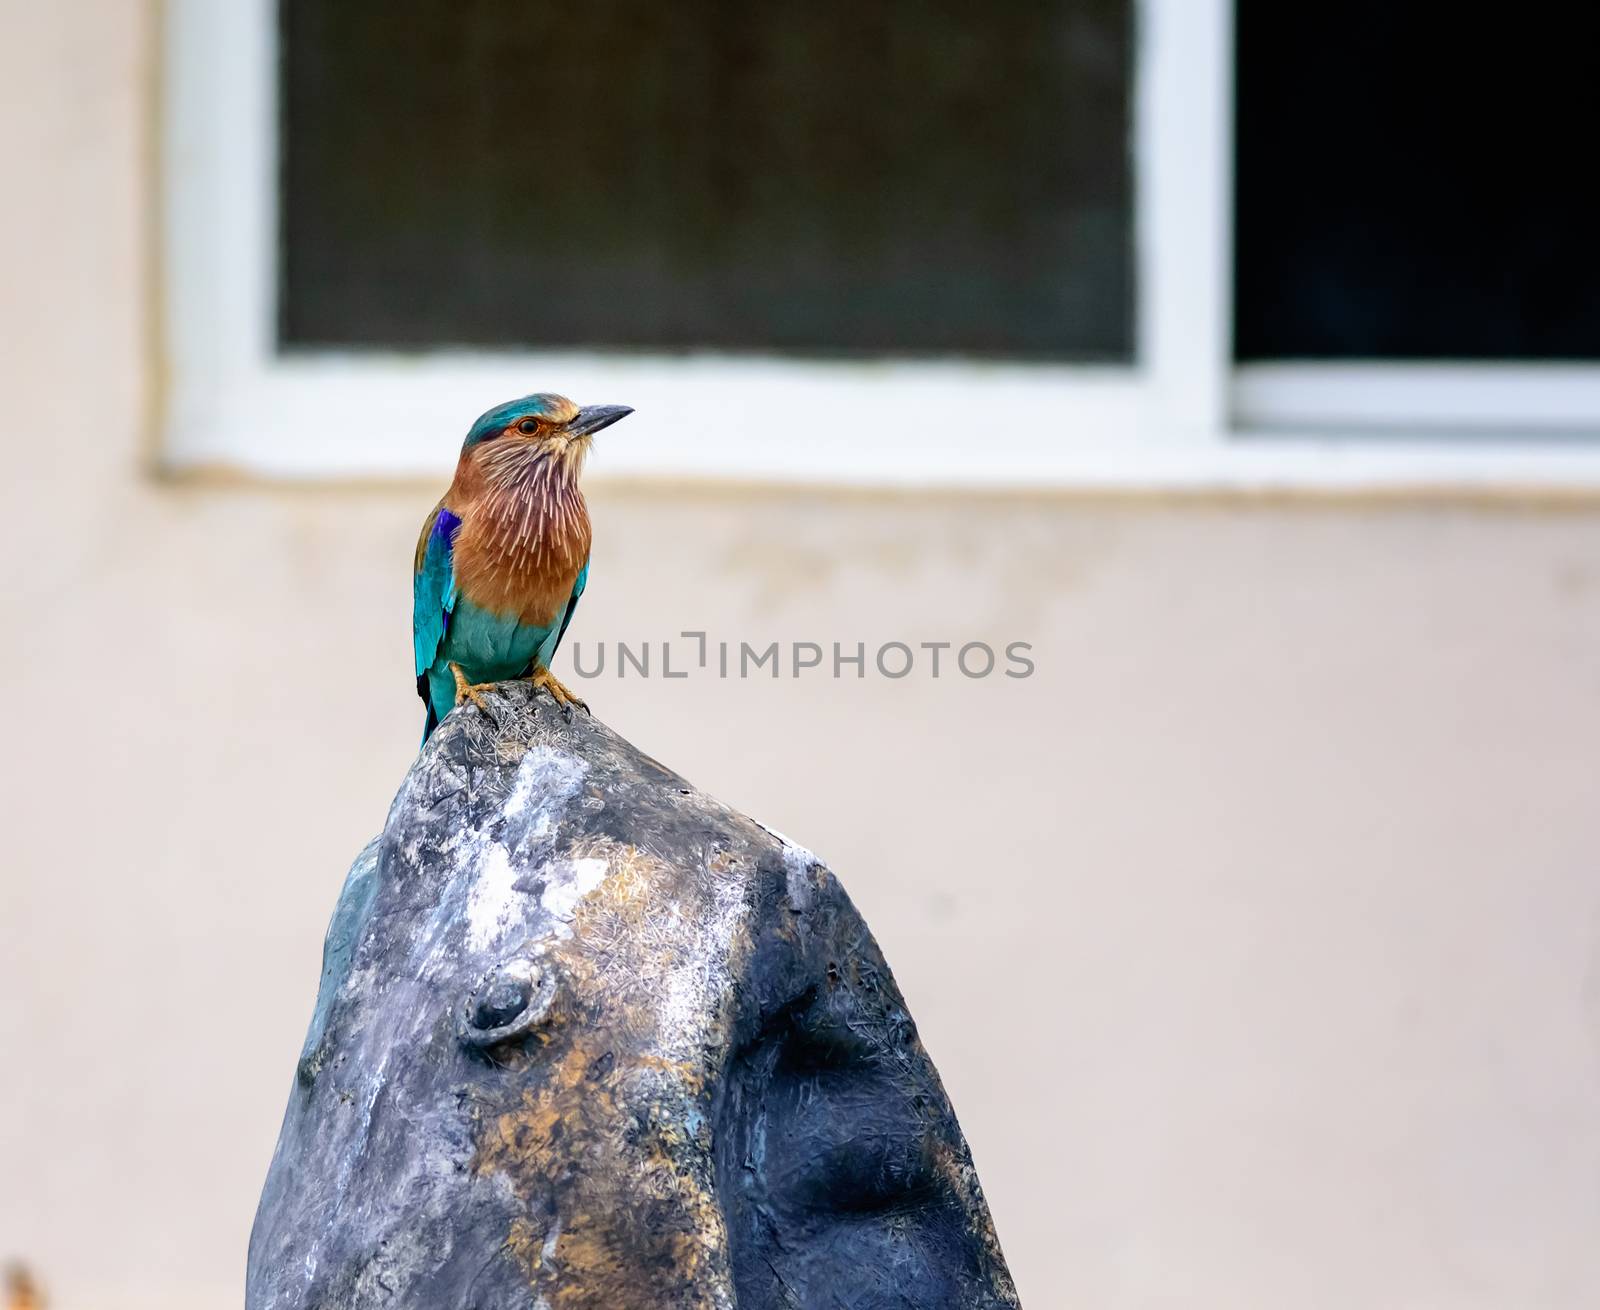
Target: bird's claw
[472,691]
[558,692]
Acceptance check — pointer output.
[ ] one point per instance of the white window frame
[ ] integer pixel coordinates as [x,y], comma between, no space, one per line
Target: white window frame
[1179,417]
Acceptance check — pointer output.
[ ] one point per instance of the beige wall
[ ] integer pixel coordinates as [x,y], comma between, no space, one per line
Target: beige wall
[1255,935]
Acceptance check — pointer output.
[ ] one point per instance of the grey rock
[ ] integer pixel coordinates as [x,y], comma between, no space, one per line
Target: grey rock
[588,1038]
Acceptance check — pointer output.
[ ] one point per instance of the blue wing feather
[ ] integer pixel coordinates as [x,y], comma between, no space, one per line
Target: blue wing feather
[547,648]
[434,590]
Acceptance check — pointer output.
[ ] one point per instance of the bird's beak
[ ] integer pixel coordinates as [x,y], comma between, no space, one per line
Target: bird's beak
[591,418]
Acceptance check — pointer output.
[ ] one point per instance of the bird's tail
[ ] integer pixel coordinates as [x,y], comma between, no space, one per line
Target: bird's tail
[432,721]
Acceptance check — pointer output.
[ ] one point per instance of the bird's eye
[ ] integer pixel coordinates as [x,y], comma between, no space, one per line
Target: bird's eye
[528,426]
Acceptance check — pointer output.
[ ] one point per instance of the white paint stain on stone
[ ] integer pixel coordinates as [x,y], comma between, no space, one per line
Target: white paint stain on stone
[692,990]
[545,782]
[492,899]
[548,1251]
[797,865]
[547,777]
[566,882]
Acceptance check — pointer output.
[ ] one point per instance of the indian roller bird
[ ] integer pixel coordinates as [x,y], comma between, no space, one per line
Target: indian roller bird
[504,556]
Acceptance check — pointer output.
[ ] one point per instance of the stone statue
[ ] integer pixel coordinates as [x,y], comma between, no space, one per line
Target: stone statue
[588,1040]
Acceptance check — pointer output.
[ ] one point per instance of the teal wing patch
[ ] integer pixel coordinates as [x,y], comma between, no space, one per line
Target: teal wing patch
[547,648]
[434,591]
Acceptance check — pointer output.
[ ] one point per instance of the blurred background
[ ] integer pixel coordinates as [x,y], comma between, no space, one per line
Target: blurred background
[1255,934]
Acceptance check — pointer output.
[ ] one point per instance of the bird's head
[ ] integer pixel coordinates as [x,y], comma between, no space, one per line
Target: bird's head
[538,427]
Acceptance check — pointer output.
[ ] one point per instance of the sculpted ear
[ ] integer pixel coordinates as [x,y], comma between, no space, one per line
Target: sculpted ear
[508,1002]
[838,1155]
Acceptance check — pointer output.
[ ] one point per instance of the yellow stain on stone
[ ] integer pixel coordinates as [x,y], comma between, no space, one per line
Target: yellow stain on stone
[611,1141]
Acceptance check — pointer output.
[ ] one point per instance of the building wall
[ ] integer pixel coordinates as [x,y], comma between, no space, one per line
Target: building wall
[1255,934]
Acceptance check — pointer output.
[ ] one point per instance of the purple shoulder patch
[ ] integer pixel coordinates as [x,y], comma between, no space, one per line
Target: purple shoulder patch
[445,525]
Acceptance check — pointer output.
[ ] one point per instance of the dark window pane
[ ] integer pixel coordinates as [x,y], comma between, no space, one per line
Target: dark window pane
[1416,181]
[884,176]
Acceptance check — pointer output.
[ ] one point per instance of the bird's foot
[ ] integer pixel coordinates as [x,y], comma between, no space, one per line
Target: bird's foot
[558,691]
[472,691]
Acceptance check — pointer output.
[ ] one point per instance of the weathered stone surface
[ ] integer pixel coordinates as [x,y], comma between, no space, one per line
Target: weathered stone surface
[589,1040]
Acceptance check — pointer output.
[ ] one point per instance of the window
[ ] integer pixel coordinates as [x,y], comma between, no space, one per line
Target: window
[1411,188]
[902,178]
[1448,215]
[886,240]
